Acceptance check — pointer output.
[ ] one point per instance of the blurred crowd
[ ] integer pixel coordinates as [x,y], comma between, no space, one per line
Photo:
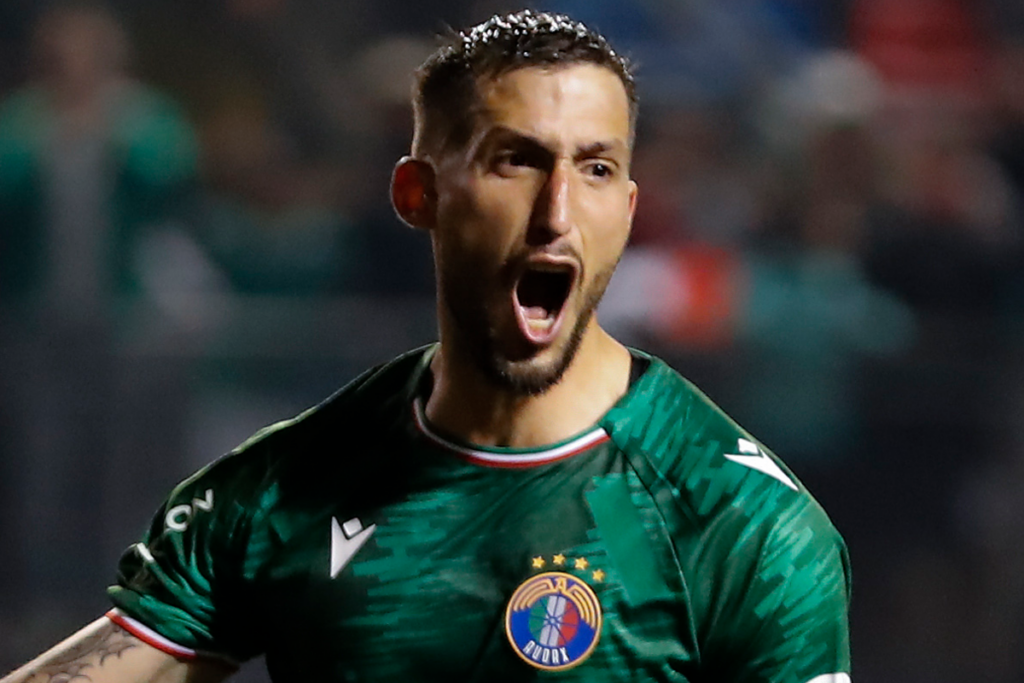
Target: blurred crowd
[195,238]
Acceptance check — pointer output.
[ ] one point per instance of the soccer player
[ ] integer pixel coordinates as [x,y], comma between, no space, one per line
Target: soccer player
[528,498]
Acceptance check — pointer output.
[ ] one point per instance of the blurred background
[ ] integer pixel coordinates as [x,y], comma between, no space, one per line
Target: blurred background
[196,240]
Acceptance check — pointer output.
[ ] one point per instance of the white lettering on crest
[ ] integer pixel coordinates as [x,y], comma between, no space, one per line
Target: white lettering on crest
[554,656]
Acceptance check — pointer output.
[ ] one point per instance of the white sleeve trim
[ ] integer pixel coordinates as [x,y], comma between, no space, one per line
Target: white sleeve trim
[831,678]
[154,639]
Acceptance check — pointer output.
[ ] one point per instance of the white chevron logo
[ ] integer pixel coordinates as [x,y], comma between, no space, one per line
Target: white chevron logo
[346,540]
[831,678]
[753,457]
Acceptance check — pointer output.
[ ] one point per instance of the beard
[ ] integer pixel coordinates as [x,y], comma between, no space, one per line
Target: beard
[511,366]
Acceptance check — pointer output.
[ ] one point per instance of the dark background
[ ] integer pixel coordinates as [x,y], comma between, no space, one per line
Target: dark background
[195,241]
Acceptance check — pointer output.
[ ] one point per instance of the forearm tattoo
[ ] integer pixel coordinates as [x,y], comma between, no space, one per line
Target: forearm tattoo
[74,664]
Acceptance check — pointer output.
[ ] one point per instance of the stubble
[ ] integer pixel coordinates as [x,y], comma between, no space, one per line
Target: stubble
[476,315]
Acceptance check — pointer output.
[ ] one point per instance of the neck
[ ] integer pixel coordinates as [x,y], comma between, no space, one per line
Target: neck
[466,404]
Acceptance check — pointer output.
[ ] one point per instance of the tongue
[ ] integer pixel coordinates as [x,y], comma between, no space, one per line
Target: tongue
[535,312]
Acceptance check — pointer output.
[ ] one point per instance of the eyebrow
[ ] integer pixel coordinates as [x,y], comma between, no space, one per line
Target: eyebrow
[589,150]
[597,148]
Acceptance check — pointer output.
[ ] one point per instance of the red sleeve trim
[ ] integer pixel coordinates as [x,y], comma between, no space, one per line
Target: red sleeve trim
[154,639]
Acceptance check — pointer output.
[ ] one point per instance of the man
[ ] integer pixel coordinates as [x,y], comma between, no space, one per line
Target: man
[93,165]
[527,497]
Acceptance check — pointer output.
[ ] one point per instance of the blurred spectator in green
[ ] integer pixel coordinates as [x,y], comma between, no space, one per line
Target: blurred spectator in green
[271,222]
[812,315]
[91,162]
[88,159]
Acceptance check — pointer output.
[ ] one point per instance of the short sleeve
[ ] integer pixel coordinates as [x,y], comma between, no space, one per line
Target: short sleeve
[789,623]
[184,579]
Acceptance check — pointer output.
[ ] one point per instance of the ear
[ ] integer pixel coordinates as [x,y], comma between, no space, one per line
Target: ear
[633,190]
[413,194]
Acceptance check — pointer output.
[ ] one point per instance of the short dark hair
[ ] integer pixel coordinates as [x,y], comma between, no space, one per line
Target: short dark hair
[445,92]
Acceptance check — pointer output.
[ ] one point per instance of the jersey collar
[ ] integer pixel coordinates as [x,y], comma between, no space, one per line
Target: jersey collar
[509,457]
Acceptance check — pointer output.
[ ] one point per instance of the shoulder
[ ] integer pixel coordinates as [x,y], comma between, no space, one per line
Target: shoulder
[24,116]
[22,104]
[766,573]
[138,104]
[312,447]
[151,134]
[703,468]
[687,439]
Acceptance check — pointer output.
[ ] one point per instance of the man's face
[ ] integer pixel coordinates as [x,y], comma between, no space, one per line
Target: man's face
[533,215]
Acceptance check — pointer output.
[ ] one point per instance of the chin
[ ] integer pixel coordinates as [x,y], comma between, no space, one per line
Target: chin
[508,362]
[530,377]
[533,374]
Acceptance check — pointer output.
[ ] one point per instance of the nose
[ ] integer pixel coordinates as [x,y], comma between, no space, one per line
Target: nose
[552,211]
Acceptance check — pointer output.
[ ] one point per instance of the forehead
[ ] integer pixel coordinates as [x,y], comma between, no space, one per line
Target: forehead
[579,101]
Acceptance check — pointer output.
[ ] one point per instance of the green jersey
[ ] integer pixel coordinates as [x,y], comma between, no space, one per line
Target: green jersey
[356,543]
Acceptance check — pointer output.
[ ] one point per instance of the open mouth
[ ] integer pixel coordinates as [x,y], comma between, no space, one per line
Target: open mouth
[540,297]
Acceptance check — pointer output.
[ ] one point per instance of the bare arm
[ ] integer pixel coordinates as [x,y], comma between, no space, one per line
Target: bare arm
[103,652]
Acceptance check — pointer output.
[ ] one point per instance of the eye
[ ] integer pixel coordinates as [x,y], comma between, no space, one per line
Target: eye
[600,169]
[509,161]
[513,158]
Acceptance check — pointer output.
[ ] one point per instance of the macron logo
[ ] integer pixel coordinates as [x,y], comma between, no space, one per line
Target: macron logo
[753,457]
[346,540]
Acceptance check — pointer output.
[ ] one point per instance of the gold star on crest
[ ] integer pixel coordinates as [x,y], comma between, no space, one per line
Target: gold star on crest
[559,560]
[538,562]
[581,563]
[598,575]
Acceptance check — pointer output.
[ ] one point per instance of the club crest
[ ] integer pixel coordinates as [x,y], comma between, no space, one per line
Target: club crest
[553,621]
